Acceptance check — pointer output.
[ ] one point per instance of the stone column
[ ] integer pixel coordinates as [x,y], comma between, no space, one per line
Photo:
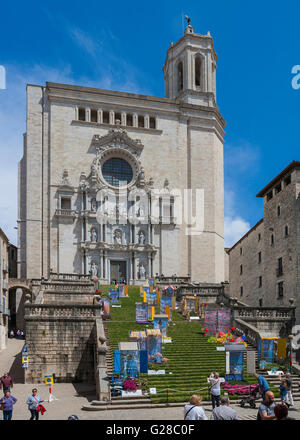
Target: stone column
[88,114]
[105,274]
[20,323]
[100,116]
[101,265]
[111,117]
[147,121]
[135,120]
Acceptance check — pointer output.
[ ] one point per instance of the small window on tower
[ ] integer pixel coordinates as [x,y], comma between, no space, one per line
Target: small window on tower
[81,114]
[152,122]
[105,117]
[141,121]
[94,116]
[118,118]
[180,75]
[198,71]
[129,120]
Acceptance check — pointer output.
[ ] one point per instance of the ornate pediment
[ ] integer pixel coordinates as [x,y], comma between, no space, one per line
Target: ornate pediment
[117,138]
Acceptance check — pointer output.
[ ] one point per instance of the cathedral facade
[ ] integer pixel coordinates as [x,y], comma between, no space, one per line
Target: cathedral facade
[104,176]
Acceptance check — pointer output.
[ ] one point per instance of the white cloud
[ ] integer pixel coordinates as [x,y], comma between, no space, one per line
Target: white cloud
[235,228]
[242,160]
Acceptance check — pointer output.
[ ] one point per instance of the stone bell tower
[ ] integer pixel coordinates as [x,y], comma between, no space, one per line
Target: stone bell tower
[190,69]
[190,82]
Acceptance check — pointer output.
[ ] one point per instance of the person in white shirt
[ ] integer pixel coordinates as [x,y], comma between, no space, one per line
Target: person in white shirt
[215,390]
[194,410]
[224,412]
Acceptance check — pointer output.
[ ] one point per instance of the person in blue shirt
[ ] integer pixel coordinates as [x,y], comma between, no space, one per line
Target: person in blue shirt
[8,402]
[33,402]
[263,385]
[282,390]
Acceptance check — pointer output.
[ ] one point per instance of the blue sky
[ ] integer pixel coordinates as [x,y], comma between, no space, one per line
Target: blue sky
[122,46]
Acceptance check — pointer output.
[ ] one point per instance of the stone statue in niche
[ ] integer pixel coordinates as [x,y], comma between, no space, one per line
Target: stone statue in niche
[142,272]
[94,205]
[94,235]
[94,170]
[142,237]
[140,211]
[118,236]
[94,269]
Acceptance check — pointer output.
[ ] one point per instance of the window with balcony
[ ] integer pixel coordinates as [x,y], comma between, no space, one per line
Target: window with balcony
[65,203]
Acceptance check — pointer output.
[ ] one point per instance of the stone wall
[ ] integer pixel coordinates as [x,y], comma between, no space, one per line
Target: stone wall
[280,211]
[61,340]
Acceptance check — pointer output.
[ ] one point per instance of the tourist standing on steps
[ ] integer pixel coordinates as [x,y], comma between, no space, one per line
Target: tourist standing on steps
[289,393]
[224,412]
[282,389]
[6,404]
[194,410]
[215,390]
[6,383]
[33,402]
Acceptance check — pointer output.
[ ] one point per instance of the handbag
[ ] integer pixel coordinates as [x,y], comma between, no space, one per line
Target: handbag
[2,406]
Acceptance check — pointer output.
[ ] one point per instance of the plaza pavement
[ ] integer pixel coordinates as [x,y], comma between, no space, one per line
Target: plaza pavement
[71,397]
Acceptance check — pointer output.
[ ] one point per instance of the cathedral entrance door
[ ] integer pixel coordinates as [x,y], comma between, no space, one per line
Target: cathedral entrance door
[117,270]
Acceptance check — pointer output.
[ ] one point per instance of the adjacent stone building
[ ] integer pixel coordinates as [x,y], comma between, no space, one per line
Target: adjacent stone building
[264,265]
[83,144]
[4,244]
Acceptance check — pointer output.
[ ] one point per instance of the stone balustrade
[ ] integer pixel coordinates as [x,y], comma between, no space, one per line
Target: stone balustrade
[265,313]
[47,311]
[252,334]
[71,213]
[79,287]
[69,277]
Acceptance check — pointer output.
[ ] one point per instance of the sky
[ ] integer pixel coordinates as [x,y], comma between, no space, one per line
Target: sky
[122,46]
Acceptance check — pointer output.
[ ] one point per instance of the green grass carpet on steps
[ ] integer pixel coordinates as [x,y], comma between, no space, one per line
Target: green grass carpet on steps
[191,357]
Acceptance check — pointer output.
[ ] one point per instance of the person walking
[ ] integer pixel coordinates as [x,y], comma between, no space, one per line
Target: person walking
[6,383]
[6,404]
[289,390]
[224,412]
[263,384]
[266,408]
[33,402]
[215,390]
[194,410]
